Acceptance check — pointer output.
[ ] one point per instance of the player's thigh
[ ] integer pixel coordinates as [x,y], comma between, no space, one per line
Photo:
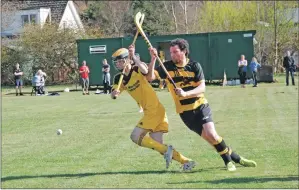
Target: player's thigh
[209,129]
[162,122]
[209,133]
[191,121]
[195,119]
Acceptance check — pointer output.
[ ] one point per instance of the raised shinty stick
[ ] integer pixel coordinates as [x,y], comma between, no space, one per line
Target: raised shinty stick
[138,16]
[135,38]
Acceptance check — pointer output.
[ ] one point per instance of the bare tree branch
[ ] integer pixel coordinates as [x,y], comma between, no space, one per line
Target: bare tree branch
[165,6]
[174,17]
[184,7]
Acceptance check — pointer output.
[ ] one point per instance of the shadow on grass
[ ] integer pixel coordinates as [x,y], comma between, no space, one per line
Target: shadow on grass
[260,179]
[8,178]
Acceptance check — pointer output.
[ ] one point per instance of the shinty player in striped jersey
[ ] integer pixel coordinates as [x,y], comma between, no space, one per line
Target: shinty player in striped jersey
[190,101]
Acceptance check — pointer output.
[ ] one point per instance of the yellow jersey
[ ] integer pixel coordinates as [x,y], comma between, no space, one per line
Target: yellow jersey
[140,89]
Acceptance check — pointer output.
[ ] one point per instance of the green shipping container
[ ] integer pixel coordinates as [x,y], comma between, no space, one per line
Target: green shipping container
[217,52]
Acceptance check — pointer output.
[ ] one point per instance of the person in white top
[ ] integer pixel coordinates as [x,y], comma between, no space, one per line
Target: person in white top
[242,64]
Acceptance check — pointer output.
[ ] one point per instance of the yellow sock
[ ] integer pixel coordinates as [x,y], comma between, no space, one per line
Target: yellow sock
[148,142]
[179,157]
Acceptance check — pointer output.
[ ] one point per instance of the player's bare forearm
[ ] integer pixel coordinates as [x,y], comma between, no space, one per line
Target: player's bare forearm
[142,66]
[198,90]
[151,70]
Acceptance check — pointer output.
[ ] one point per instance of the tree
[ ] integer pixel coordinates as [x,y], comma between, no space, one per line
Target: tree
[182,15]
[218,16]
[9,58]
[49,48]
[184,7]
[157,21]
[110,17]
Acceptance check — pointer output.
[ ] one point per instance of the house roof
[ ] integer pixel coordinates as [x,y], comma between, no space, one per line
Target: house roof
[57,7]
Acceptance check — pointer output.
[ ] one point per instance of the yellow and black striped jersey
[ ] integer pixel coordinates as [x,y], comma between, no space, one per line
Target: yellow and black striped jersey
[140,89]
[187,78]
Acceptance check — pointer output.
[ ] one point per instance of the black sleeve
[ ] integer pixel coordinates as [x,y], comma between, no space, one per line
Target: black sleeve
[161,72]
[293,60]
[116,78]
[284,62]
[198,72]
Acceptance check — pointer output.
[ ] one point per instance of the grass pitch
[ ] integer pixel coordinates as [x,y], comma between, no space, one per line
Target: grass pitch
[95,150]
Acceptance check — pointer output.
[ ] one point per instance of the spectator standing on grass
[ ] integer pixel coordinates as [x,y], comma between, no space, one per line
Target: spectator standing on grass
[84,72]
[106,76]
[254,65]
[290,67]
[242,64]
[18,79]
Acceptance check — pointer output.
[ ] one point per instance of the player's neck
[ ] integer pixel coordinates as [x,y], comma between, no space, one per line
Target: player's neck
[183,63]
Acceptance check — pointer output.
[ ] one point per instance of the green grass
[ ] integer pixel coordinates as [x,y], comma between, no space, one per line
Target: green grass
[95,150]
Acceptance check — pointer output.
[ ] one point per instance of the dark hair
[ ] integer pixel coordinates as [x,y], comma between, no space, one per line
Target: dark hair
[182,44]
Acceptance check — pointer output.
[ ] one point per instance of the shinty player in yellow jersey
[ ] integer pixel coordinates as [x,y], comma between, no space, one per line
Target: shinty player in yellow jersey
[150,129]
[190,101]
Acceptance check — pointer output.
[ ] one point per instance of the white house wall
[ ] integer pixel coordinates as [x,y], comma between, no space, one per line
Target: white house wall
[16,26]
[76,15]
[44,12]
[68,19]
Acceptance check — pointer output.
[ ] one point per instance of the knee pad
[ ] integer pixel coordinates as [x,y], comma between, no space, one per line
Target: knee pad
[134,137]
[137,138]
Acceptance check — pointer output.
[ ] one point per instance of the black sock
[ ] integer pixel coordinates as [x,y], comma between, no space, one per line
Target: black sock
[235,157]
[223,150]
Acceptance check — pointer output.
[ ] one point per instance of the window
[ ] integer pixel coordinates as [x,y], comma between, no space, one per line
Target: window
[32,19]
[25,20]
[28,19]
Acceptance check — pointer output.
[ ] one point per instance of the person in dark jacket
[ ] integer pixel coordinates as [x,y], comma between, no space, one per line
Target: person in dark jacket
[242,64]
[290,67]
[106,76]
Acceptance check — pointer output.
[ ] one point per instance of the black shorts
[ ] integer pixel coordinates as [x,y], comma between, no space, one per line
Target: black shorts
[194,119]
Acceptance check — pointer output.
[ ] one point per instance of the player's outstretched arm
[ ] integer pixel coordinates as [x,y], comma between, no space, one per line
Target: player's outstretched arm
[142,66]
[151,67]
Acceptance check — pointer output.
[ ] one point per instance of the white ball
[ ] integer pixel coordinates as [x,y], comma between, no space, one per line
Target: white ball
[59,132]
